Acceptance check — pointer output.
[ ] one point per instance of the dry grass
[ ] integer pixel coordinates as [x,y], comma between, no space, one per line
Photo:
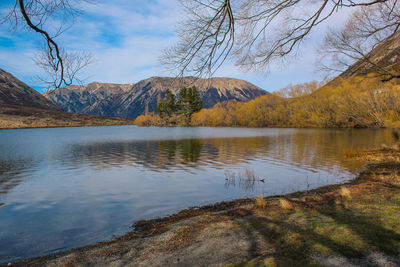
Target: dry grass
[344,192]
[181,237]
[260,202]
[245,179]
[385,154]
[249,174]
[352,152]
[285,204]
[70,264]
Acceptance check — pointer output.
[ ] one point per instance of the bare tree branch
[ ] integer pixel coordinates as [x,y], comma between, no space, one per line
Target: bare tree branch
[206,36]
[74,62]
[35,14]
[365,30]
[252,32]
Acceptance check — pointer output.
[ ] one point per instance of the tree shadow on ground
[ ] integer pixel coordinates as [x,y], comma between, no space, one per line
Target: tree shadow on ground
[296,242]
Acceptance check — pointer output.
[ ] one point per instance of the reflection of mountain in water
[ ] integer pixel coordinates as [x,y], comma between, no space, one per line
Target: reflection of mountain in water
[313,149]
[150,154]
[12,173]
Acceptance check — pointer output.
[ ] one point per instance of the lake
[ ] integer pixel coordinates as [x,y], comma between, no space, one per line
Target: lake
[62,188]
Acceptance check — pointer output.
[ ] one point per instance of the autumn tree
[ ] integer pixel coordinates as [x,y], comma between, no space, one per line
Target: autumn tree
[353,102]
[298,90]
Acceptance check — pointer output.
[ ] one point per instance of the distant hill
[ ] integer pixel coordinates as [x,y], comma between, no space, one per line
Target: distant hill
[130,100]
[14,92]
[386,56]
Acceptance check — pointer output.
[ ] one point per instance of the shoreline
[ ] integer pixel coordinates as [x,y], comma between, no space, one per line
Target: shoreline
[20,117]
[183,237]
[68,126]
[129,123]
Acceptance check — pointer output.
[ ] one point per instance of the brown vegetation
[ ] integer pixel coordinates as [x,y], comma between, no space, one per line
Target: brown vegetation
[351,102]
[12,117]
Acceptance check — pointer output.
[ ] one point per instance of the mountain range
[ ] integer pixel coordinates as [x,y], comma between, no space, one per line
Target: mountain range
[130,100]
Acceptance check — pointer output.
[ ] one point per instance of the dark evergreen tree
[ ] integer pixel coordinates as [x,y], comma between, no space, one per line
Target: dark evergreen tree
[168,106]
[189,102]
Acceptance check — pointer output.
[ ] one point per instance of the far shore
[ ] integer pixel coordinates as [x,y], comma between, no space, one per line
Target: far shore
[23,117]
[352,224]
[17,117]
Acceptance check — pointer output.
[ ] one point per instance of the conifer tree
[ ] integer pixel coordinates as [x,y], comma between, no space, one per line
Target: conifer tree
[168,106]
[189,102]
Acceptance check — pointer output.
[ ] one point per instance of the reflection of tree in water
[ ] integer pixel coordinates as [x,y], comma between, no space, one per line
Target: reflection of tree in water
[189,150]
[168,147]
[308,149]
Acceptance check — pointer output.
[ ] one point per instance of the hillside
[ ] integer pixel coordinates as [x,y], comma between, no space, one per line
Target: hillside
[385,57]
[15,92]
[129,101]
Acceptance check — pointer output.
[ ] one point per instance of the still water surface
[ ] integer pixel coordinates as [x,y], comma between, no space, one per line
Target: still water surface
[62,188]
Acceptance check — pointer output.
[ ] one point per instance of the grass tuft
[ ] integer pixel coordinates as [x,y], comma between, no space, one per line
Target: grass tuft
[344,192]
[285,204]
[260,202]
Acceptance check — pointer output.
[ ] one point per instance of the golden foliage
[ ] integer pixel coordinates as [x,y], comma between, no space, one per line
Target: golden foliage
[153,119]
[298,90]
[351,102]
[149,120]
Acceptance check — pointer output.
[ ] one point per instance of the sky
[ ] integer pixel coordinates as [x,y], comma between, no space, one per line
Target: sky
[126,39]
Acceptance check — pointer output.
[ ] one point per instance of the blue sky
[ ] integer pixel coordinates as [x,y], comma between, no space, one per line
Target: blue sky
[126,39]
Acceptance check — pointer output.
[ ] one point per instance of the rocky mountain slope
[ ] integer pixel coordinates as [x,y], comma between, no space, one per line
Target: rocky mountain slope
[94,98]
[384,57]
[130,100]
[15,92]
